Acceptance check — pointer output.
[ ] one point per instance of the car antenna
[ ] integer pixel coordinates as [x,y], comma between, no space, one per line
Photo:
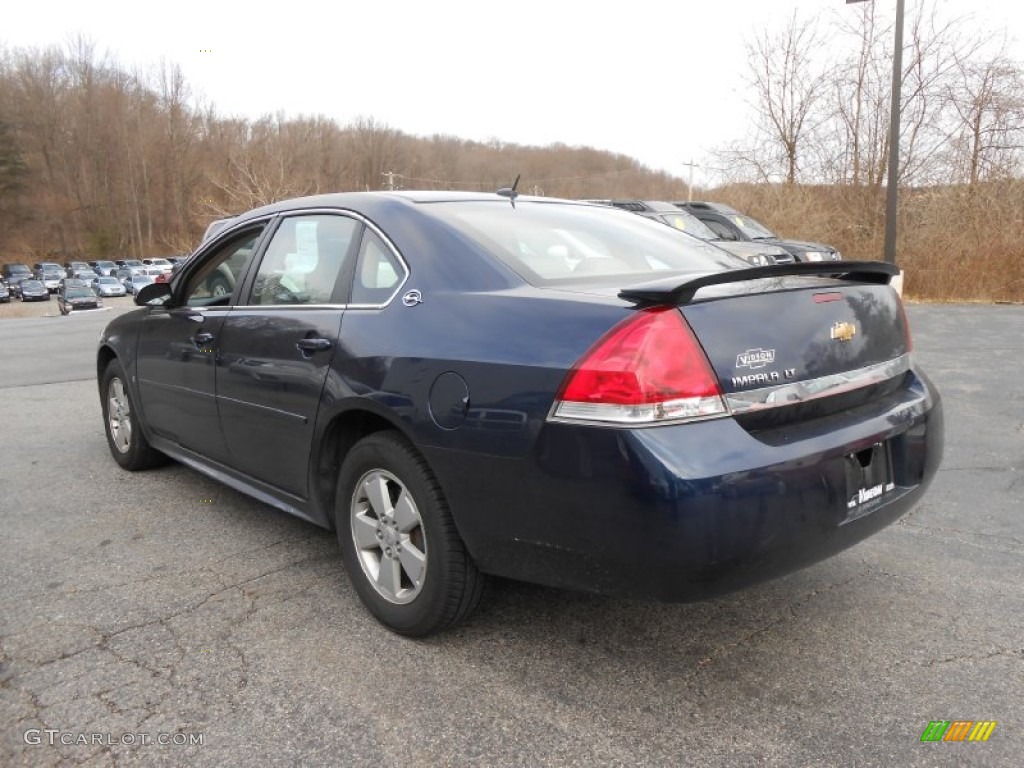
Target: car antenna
[510,192]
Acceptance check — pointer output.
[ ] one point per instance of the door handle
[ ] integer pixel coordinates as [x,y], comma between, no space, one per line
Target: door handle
[309,346]
[202,339]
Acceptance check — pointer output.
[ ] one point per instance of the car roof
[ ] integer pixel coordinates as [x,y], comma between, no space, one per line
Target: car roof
[700,205]
[362,200]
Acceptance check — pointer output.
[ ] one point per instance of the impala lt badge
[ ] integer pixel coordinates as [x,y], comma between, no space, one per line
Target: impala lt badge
[843,331]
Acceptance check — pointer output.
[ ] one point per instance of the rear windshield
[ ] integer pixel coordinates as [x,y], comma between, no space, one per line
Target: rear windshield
[564,244]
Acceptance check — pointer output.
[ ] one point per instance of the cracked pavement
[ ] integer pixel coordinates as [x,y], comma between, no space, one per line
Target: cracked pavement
[162,602]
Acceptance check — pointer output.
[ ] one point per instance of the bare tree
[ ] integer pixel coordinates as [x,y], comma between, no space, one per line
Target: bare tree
[789,84]
[987,99]
[860,94]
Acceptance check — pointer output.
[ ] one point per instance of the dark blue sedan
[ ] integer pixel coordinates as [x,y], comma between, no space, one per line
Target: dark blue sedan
[470,384]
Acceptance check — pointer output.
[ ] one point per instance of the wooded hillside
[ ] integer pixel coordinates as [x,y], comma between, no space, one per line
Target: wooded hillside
[100,162]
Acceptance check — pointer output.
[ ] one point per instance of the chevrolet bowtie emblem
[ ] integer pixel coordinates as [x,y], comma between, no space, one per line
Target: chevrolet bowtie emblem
[843,331]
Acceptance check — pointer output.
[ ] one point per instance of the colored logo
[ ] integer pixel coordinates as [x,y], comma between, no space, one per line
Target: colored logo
[958,730]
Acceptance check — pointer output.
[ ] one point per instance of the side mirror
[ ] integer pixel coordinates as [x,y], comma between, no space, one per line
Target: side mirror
[153,294]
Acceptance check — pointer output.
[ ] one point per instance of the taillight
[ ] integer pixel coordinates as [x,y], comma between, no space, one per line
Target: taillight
[648,369]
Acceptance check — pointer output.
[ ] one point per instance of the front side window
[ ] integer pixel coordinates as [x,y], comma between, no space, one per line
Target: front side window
[220,273]
[304,260]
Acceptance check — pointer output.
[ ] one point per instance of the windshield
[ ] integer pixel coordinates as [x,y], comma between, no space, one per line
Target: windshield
[19,269]
[161,262]
[142,279]
[76,292]
[30,285]
[567,244]
[752,228]
[689,224]
[108,281]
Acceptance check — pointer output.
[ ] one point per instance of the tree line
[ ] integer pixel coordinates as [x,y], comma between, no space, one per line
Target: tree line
[100,161]
[97,160]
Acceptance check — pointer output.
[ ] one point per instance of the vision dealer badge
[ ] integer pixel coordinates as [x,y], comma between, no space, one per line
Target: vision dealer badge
[755,358]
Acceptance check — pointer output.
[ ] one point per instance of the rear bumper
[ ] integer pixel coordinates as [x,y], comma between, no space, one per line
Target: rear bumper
[690,511]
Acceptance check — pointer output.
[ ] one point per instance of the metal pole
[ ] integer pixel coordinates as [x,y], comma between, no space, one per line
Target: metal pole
[689,184]
[894,140]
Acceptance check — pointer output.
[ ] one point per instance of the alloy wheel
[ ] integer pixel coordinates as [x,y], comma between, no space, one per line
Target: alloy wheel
[119,416]
[387,531]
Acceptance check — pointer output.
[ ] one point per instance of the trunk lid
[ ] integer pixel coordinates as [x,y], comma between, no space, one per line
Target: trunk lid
[823,347]
[775,338]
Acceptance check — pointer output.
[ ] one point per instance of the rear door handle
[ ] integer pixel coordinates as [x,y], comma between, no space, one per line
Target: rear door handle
[202,339]
[308,346]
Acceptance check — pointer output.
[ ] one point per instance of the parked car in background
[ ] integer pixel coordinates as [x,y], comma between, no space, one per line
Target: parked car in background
[730,224]
[757,254]
[216,226]
[123,275]
[137,282]
[49,273]
[14,274]
[85,275]
[671,426]
[71,267]
[31,289]
[162,264]
[75,295]
[135,265]
[5,292]
[103,268]
[108,286]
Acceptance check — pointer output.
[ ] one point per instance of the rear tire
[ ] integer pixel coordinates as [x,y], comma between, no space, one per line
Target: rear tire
[398,541]
[128,445]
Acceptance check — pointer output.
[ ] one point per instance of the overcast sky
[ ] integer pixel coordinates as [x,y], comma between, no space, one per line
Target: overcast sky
[659,81]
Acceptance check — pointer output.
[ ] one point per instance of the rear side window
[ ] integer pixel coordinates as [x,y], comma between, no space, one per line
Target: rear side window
[304,260]
[378,272]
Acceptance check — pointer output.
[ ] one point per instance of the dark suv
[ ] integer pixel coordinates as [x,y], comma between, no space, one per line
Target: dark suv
[759,254]
[730,224]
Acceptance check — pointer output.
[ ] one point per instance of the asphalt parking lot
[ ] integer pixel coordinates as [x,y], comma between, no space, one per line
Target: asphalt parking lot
[162,604]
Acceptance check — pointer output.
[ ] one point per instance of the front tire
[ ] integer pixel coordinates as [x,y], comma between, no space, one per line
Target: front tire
[128,445]
[398,541]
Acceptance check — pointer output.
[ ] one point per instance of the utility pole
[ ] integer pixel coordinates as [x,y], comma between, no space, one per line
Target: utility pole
[689,184]
[391,179]
[891,192]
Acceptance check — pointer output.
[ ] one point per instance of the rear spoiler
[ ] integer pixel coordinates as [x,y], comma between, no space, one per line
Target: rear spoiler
[670,291]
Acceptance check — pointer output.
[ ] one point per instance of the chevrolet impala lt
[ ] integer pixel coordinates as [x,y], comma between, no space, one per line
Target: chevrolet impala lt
[471,384]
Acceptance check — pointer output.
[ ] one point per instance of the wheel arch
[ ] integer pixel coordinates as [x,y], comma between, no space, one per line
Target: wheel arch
[104,355]
[341,433]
